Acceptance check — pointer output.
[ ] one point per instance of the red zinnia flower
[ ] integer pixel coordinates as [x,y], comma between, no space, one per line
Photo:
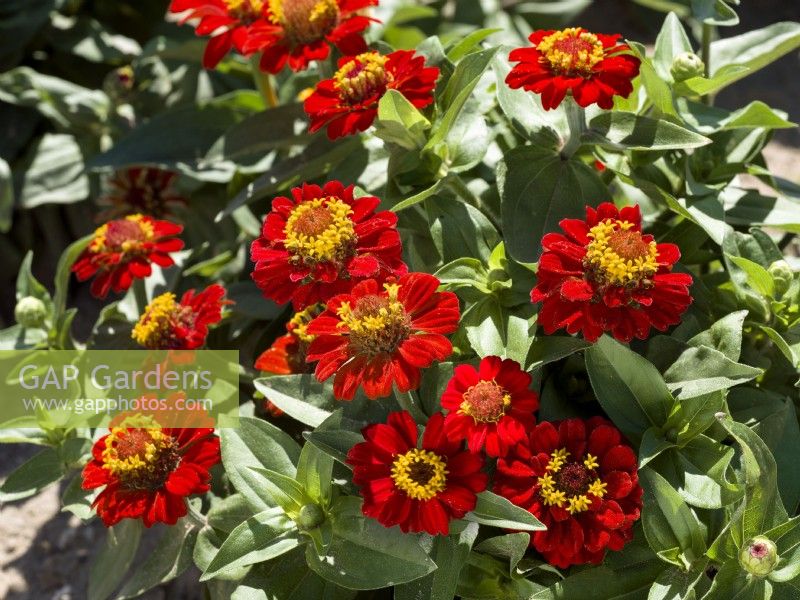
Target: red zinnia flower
[229,23]
[167,324]
[147,473]
[348,103]
[590,65]
[140,190]
[321,242]
[490,406]
[581,481]
[122,250]
[605,275]
[420,489]
[374,337]
[302,31]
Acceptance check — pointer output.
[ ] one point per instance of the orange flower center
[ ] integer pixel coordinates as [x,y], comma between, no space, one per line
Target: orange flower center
[569,484]
[618,255]
[421,474]
[571,52]
[320,230]
[362,77]
[305,21]
[156,326]
[142,459]
[245,10]
[485,402]
[377,323]
[126,235]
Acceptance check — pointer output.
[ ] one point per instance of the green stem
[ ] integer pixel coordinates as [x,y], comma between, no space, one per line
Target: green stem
[709,32]
[140,294]
[265,83]
[461,190]
[576,119]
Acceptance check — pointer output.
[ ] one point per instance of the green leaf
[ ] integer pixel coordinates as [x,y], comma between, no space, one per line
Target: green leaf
[725,335]
[300,396]
[617,129]
[672,40]
[757,276]
[537,190]
[658,90]
[420,196]
[335,443]
[493,330]
[470,43]
[6,196]
[315,469]
[286,491]
[464,272]
[550,348]
[748,207]
[33,476]
[115,557]
[63,272]
[498,511]
[511,546]
[54,173]
[400,122]
[703,370]
[702,86]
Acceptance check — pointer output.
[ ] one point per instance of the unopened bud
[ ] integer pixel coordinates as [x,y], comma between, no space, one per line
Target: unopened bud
[687,65]
[311,516]
[30,312]
[759,556]
[782,274]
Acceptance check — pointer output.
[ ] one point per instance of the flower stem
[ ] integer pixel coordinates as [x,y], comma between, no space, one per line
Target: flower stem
[462,191]
[576,119]
[265,83]
[709,32]
[140,294]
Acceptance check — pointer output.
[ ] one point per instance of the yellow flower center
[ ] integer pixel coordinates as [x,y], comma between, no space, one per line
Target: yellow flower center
[122,235]
[245,10]
[141,458]
[617,255]
[377,323]
[485,402]
[421,474]
[298,324]
[569,484]
[320,230]
[305,21]
[155,328]
[362,77]
[570,52]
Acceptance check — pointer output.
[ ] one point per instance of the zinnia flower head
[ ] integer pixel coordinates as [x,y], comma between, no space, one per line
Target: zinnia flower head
[418,488]
[321,242]
[348,103]
[377,336]
[124,249]
[167,324]
[592,66]
[490,406]
[140,190]
[147,473]
[581,480]
[230,24]
[298,32]
[603,274]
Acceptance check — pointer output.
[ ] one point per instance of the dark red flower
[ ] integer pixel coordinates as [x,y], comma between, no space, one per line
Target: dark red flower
[581,480]
[348,103]
[167,324]
[140,190]
[230,24]
[123,250]
[149,472]
[374,337]
[321,242]
[490,406]
[419,489]
[298,32]
[592,66]
[605,275]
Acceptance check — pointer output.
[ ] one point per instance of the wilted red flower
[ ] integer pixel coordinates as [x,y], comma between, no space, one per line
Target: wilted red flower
[302,31]
[592,66]
[123,250]
[420,489]
[167,324]
[140,190]
[490,406]
[581,480]
[348,103]
[321,242]
[148,472]
[605,275]
[375,337]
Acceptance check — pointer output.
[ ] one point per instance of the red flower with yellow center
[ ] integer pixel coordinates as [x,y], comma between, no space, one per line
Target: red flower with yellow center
[323,241]
[149,472]
[348,103]
[491,406]
[124,249]
[230,23]
[592,66]
[140,190]
[419,489]
[581,480]
[298,32]
[374,337]
[167,324]
[605,275]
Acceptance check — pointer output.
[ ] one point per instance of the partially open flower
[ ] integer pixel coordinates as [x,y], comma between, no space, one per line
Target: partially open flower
[140,190]
[759,556]
[124,249]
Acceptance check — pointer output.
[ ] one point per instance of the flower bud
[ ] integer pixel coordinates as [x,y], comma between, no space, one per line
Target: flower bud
[782,274]
[118,83]
[687,65]
[310,517]
[30,312]
[759,556]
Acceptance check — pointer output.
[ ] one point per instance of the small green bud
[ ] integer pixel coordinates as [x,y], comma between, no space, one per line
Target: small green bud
[311,516]
[782,274]
[30,312]
[119,83]
[686,65]
[759,556]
